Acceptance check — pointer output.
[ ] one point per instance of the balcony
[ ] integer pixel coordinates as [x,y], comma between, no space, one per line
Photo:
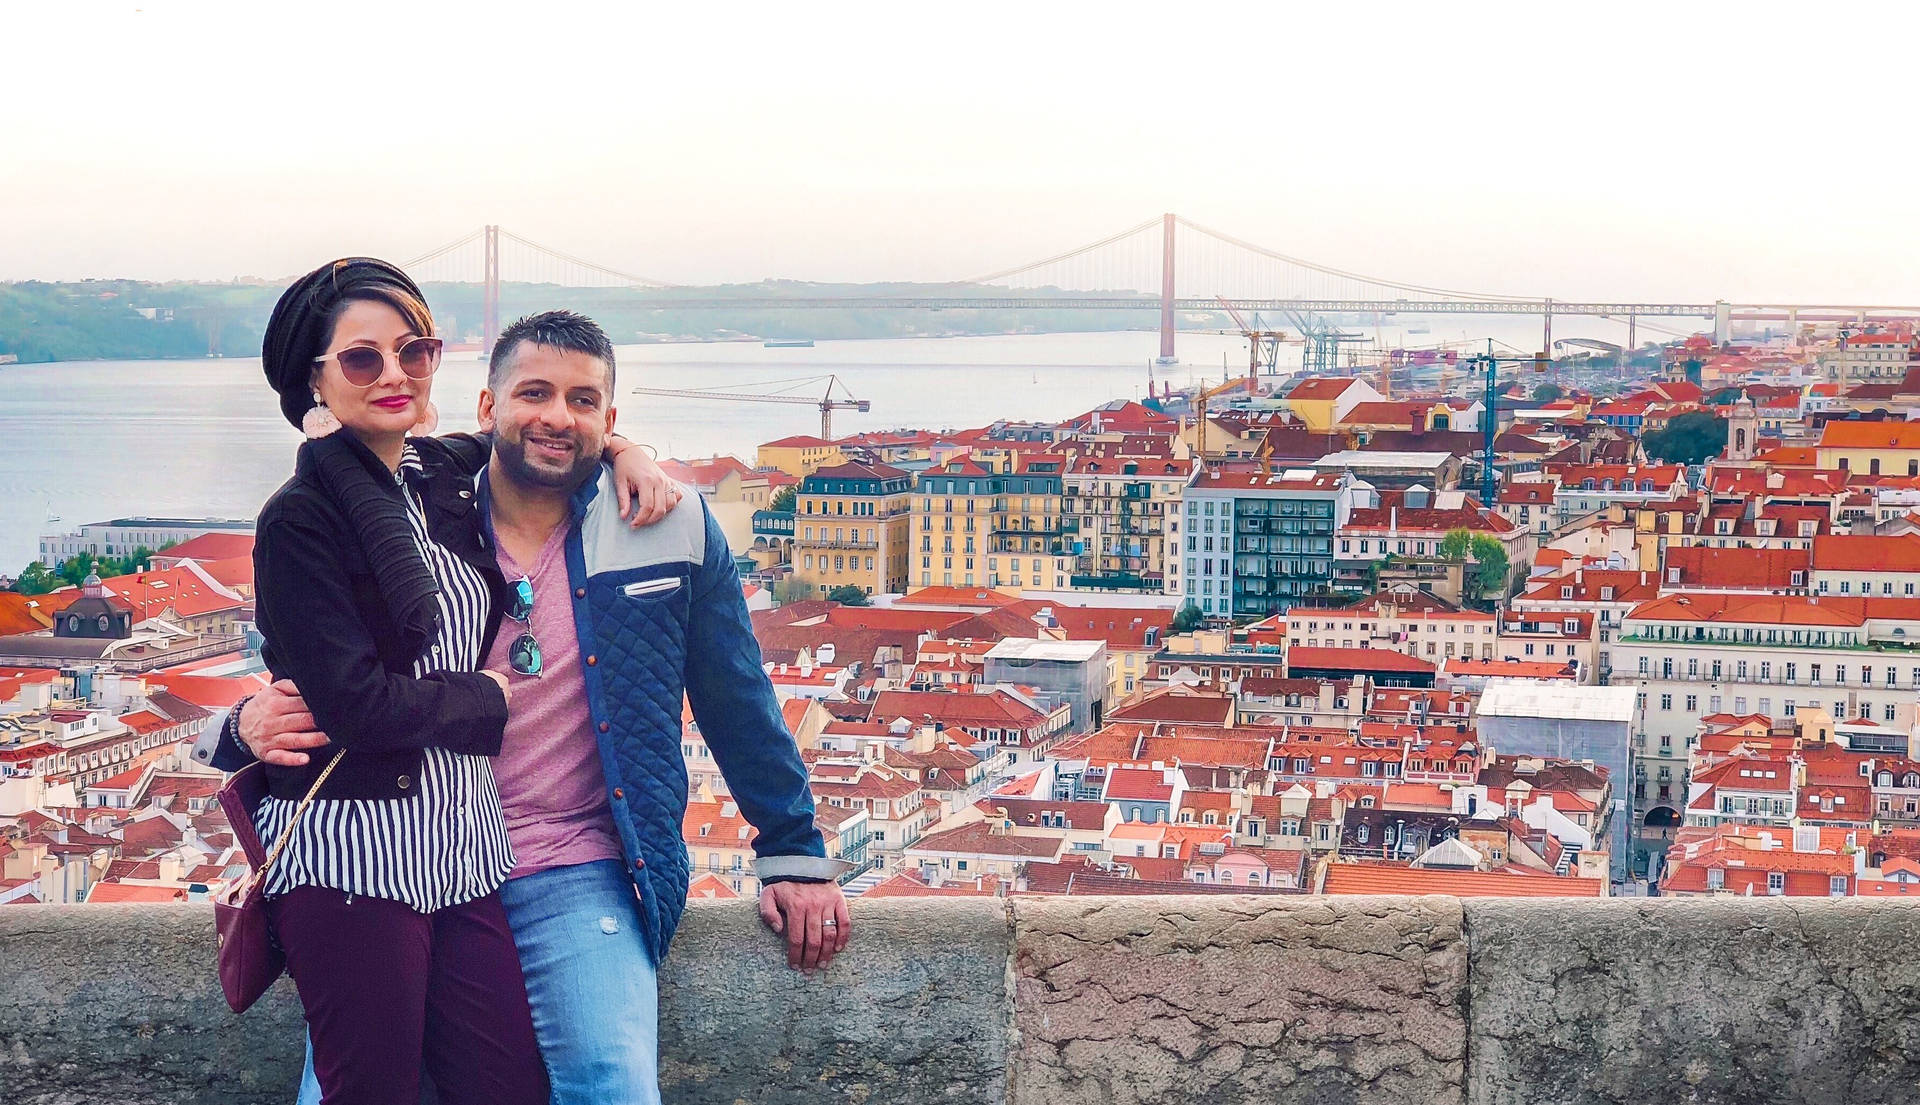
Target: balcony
[836,543]
[1071,1000]
[1113,581]
[773,523]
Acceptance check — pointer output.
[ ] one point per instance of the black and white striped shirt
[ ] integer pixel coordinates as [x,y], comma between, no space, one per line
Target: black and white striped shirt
[448,844]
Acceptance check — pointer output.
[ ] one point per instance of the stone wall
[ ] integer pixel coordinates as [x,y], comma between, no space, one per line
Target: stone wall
[1063,1001]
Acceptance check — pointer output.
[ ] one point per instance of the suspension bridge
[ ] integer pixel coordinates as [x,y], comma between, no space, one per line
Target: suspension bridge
[1167,264]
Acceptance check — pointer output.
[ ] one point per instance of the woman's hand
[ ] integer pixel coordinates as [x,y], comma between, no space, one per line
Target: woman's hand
[640,484]
[505,688]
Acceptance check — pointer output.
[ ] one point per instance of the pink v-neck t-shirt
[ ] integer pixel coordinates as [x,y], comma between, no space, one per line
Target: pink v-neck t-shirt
[552,786]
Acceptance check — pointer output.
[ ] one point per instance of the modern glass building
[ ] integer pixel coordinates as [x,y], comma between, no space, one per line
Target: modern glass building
[1257,542]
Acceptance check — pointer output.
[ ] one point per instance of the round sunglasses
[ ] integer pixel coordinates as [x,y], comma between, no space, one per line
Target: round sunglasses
[523,656]
[363,365]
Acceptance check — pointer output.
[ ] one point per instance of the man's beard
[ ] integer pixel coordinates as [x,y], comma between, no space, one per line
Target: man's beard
[513,458]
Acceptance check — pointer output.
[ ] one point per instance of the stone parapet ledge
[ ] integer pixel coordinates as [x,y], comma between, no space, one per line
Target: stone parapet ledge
[1062,1001]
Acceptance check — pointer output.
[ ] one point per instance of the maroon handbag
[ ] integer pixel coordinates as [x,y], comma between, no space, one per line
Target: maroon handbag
[250,960]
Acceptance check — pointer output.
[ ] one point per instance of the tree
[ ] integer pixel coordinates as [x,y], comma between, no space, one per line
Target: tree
[1691,438]
[848,595]
[1489,557]
[784,499]
[1547,393]
[74,570]
[1491,565]
[1187,618]
[36,579]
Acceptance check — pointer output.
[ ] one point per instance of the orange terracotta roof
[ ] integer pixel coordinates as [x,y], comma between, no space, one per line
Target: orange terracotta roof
[1355,659]
[710,885]
[22,614]
[1864,553]
[211,546]
[1374,878]
[135,892]
[1760,609]
[908,884]
[1321,388]
[1757,569]
[1851,434]
[209,691]
[963,597]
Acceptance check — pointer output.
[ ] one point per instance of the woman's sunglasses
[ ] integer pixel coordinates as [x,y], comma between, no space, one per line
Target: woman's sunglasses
[363,365]
[524,656]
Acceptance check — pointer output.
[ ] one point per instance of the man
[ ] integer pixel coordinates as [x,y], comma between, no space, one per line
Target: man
[611,626]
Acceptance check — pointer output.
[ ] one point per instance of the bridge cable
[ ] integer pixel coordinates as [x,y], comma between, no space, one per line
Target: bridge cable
[1341,273]
[1068,255]
[436,254]
[627,277]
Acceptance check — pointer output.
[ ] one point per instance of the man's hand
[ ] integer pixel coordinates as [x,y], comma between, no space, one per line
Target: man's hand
[813,918]
[275,726]
[640,485]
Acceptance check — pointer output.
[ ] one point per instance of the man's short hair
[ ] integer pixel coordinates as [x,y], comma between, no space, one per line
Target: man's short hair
[567,330]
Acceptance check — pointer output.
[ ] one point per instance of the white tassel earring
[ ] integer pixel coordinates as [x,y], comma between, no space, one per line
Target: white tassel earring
[318,421]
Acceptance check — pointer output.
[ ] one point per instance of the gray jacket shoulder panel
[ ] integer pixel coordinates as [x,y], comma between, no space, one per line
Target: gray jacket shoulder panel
[610,544]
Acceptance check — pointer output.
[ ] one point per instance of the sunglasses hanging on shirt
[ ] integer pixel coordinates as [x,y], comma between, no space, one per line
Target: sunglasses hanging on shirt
[524,654]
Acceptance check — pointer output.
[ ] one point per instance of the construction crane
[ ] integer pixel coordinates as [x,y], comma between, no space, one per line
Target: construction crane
[1490,415]
[1322,356]
[827,403]
[1263,346]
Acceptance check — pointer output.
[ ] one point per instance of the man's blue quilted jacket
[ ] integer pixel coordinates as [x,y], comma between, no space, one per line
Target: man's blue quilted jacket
[660,614]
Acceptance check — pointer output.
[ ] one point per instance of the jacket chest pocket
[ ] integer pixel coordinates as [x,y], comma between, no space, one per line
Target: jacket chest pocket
[662,589]
[648,615]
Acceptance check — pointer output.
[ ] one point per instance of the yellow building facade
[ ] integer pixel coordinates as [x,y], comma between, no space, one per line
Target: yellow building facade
[798,456]
[852,524]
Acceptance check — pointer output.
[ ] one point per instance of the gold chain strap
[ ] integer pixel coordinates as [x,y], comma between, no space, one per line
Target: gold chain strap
[287,833]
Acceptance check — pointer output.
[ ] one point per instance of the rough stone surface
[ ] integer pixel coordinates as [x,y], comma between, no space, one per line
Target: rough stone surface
[1712,1002]
[1226,1000]
[120,1003]
[1209,1001]
[916,1010]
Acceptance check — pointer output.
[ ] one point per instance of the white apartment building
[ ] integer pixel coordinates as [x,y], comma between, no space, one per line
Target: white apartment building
[123,535]
[1696,654]
[1867,357]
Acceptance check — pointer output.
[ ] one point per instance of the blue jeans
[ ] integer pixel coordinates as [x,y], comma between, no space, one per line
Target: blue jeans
[591,985]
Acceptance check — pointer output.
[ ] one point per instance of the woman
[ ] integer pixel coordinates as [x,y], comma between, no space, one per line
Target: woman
[378,599]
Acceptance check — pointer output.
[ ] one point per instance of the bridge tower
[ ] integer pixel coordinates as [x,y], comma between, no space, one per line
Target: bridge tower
[490,312]
[1166,290]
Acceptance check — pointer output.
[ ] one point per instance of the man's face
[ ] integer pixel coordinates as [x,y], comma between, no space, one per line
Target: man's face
[551,418]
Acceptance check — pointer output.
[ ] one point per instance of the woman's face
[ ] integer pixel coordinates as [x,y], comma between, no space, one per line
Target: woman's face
[394,402]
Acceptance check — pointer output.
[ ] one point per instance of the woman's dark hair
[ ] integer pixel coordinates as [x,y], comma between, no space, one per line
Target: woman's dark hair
[303,321]
[411,307]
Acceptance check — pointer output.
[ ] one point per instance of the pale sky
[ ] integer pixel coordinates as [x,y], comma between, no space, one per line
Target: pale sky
[1662,151]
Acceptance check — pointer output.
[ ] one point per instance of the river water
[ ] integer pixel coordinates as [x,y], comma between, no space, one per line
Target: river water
[84,441]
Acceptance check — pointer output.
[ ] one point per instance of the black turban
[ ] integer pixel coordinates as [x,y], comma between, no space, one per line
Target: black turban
[302,323]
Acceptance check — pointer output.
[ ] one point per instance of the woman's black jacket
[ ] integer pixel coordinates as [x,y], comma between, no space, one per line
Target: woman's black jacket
[328,627]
